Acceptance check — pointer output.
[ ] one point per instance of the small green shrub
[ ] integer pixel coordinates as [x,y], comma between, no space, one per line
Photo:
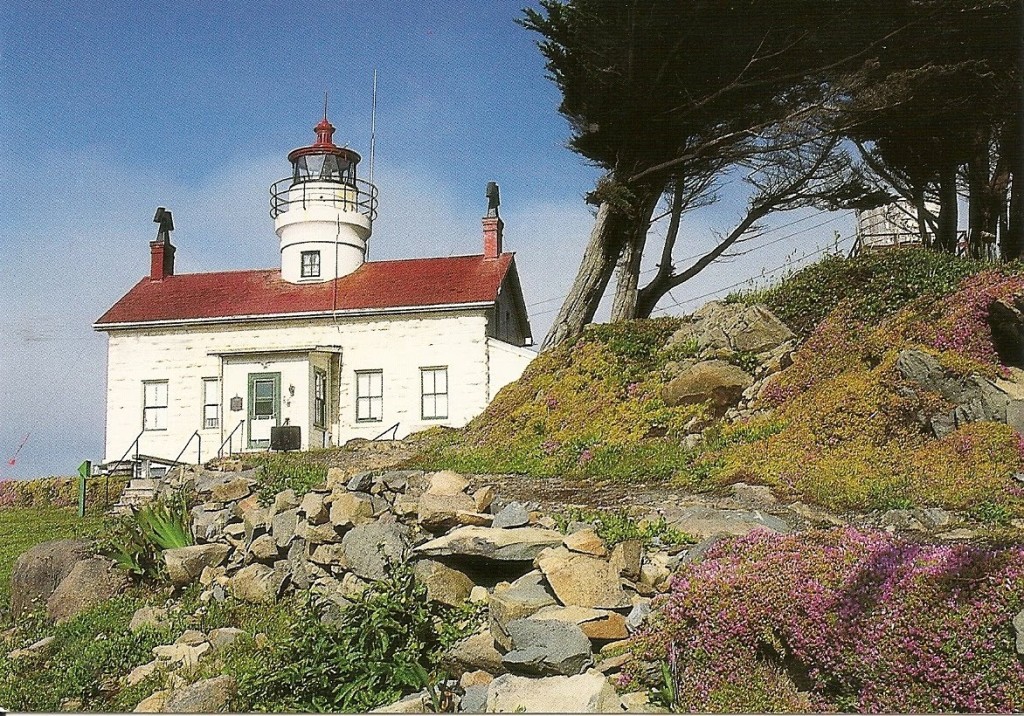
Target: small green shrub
[388,642]
[136,540]
[288,471]
[614,526]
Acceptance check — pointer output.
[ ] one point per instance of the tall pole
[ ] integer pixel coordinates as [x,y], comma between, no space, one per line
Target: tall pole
[373,123]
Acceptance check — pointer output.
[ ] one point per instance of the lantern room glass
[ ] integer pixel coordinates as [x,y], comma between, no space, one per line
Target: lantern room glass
[323,167]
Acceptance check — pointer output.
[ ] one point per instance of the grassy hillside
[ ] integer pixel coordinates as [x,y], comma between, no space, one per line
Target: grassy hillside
[840,427]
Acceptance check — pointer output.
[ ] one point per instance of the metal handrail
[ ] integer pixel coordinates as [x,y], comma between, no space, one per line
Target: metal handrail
[135,444]
[393,430]
[199,453]
[351,195]
[220,450]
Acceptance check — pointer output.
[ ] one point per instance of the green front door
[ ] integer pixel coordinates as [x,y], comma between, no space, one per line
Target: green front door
[264,407]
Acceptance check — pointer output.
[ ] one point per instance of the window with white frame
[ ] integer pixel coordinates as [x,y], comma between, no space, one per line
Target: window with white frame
[434,387]
[310,264]
[320,398]
[211,403]
[369,396]
[154,405]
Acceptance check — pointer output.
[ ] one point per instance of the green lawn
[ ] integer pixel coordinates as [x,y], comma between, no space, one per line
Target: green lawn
[23,527]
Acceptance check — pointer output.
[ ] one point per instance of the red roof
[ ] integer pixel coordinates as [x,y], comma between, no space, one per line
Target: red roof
[375,285]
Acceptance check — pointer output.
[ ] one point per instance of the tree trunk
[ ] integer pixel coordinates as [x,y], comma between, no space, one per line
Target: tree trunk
[945,238]
[922,216]
[977,195]
[625,301]
[592,279]
[1013,236]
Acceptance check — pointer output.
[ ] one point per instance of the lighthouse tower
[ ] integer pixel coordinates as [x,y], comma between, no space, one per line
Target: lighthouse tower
[322,213]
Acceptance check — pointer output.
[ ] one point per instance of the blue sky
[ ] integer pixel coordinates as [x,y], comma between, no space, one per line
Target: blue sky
[110,109]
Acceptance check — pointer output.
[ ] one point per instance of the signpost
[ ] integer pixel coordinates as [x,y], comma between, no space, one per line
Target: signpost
[84,471]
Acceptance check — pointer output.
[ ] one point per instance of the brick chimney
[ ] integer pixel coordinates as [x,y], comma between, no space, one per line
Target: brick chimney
[161,250]
[493,225]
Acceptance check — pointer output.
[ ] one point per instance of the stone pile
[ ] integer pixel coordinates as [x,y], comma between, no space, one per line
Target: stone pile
[555,601]
[738,348]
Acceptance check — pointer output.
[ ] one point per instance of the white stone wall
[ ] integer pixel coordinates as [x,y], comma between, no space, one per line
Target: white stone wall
[505,364]
[397,345]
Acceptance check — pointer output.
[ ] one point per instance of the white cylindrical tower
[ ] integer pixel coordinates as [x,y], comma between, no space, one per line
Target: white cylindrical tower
[322,213]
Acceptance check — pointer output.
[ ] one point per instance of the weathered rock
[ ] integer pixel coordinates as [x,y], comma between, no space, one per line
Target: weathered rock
[330,554]
[627,556]
[257,522]
[224,637]
[748,329]
[753,494]
[336,479]
[475,653]
[39,570]
[475,678]
[231,489]
[257,583]
[586,541]
[902,520]
[413,704]
[1018,631]
[814,514]
[704,522]
[448,483]
[611,627]
[474,699]
[38,650]
[302,571]
[264,549]
[349,509]
[508,602]
[209,520]
[191,637]
[154,703]
[317,534]
[716,381]
[314,508]
[580,580]
[148,618]
[284,501]
[933,518]
[185,564]
[141,673]
[483,498]
[372,548]
[206,696]
[546,647]
[638,615]
[360,482]
[444,584]
[187,655]
[284,524]
[514,514]
[439,512]
[584,693]
[89,582]
[506,545]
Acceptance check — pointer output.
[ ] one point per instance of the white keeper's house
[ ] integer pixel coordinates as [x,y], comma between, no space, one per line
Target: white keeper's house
[329,343]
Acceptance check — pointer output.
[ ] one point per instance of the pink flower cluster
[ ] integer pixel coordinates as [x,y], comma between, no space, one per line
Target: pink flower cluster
[964,325]
[845,619]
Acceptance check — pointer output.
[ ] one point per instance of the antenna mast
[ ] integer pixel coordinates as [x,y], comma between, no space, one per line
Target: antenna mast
[373,123]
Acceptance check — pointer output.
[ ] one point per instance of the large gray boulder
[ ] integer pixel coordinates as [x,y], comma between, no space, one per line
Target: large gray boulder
[521,544]
[39,570]
[715,381]
[584,693]
[547,648]
[371,549]
[89,582]
[734,326]
[976,398]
